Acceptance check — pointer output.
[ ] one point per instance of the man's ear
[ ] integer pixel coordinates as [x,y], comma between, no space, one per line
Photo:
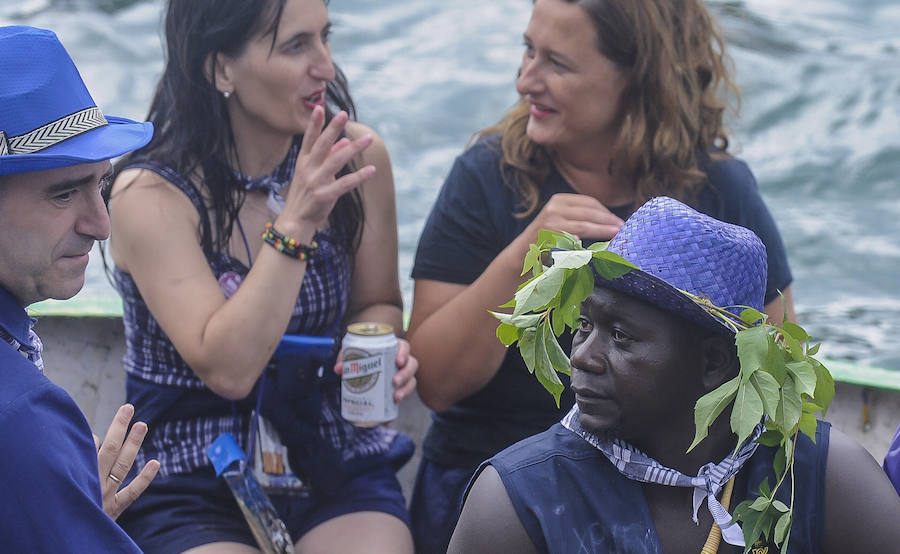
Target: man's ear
[217,71]
[720,360]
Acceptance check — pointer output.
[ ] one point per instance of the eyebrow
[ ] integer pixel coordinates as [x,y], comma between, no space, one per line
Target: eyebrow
[302,35]
[68,184]
[553,53]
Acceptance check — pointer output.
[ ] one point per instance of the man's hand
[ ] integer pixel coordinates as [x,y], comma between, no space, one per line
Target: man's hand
[115,456]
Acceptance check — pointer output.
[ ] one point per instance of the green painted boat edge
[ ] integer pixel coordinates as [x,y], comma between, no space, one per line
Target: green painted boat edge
[111,306]
[80,306]
[866,376]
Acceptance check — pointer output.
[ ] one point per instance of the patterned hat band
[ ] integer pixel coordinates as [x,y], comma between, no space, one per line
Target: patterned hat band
[52,133]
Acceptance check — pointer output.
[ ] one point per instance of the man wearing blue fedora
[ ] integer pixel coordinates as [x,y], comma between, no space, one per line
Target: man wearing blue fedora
[615,474]
[57,491]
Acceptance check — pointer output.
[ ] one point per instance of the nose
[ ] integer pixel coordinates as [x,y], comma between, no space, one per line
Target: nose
[587,356]
[528,81]
[322,67]
[93,218]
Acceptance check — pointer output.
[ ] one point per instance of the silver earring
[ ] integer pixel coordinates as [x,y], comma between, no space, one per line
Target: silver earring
[227,94]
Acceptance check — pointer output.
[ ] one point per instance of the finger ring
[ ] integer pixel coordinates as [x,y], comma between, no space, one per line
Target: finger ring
[114,478]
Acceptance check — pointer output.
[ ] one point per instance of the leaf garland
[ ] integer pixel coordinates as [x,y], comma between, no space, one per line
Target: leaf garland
[779,383]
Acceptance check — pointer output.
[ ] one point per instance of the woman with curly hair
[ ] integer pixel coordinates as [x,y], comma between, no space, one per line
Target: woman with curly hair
[620,101]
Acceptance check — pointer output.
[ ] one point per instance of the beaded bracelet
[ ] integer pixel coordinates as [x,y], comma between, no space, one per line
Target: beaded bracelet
[287,245]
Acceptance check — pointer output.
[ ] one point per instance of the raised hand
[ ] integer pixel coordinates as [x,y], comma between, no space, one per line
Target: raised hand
[314,190]
[115,456]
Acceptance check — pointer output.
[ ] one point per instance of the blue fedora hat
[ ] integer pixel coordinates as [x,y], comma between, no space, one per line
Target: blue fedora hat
[47,116]
[680,249]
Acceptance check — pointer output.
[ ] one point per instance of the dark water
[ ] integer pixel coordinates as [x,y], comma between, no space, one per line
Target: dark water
[819,125]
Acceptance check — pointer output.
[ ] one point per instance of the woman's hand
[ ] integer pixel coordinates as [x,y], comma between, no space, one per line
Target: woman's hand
[115,456]
[314,190]
[578,214]
[407,365]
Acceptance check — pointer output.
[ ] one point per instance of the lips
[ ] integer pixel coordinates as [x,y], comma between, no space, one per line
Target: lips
[315,99]
[540,111]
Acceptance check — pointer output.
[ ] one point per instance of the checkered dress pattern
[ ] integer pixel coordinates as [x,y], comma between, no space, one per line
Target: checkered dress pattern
[180,446]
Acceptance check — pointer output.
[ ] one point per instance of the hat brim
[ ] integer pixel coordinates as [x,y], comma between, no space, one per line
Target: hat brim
[657,292]
[103,143]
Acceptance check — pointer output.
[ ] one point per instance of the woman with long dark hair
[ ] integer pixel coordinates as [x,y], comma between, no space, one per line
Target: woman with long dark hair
[259,208]
[621,101]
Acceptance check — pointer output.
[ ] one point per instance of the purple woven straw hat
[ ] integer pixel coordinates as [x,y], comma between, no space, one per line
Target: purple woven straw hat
[677,247]
[47,116]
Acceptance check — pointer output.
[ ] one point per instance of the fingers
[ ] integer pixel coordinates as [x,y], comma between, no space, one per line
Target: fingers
[129,494]
[339,363]
[313,129]
[405,379]
[349,182]
[127,454]
[96,441]
[112,442]
[581,215]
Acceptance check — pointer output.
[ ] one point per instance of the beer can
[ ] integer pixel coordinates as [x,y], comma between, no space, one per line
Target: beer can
[369,360]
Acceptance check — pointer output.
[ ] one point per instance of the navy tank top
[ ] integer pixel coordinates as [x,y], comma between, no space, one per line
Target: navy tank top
[570,498]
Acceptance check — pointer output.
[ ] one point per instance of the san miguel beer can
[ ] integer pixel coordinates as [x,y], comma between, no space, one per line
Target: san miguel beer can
[369,359]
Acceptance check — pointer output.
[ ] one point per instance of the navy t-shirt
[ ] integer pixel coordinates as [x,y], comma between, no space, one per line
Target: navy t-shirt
[472,221]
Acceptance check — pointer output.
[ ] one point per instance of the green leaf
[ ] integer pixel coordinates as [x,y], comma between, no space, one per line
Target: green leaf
[544,369]
[767,387]
[808,425]
[810,408]
[789,407]
[824,385]
[753,349]
[795,331]
[770,438]
[558,239]
[709,406]
[813,350]
[780,506]
[570,314]
[508,334]
[782,528]
[526,347]
[538,293]
[557,322]
[775,360]
[793,347]
[611,266]
[760,504]
[765,489]
[747,411]
[571,259]
[750,316]
[749,524]
[598,246]
[532,260]
[558,358]
[778,463]
[526,320]
[577,287]
[804,377]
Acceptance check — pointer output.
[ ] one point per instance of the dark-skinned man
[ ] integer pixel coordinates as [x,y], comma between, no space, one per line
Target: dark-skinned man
[615,474]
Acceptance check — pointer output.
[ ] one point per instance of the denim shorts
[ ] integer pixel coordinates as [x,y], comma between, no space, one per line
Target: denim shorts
[180,512]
